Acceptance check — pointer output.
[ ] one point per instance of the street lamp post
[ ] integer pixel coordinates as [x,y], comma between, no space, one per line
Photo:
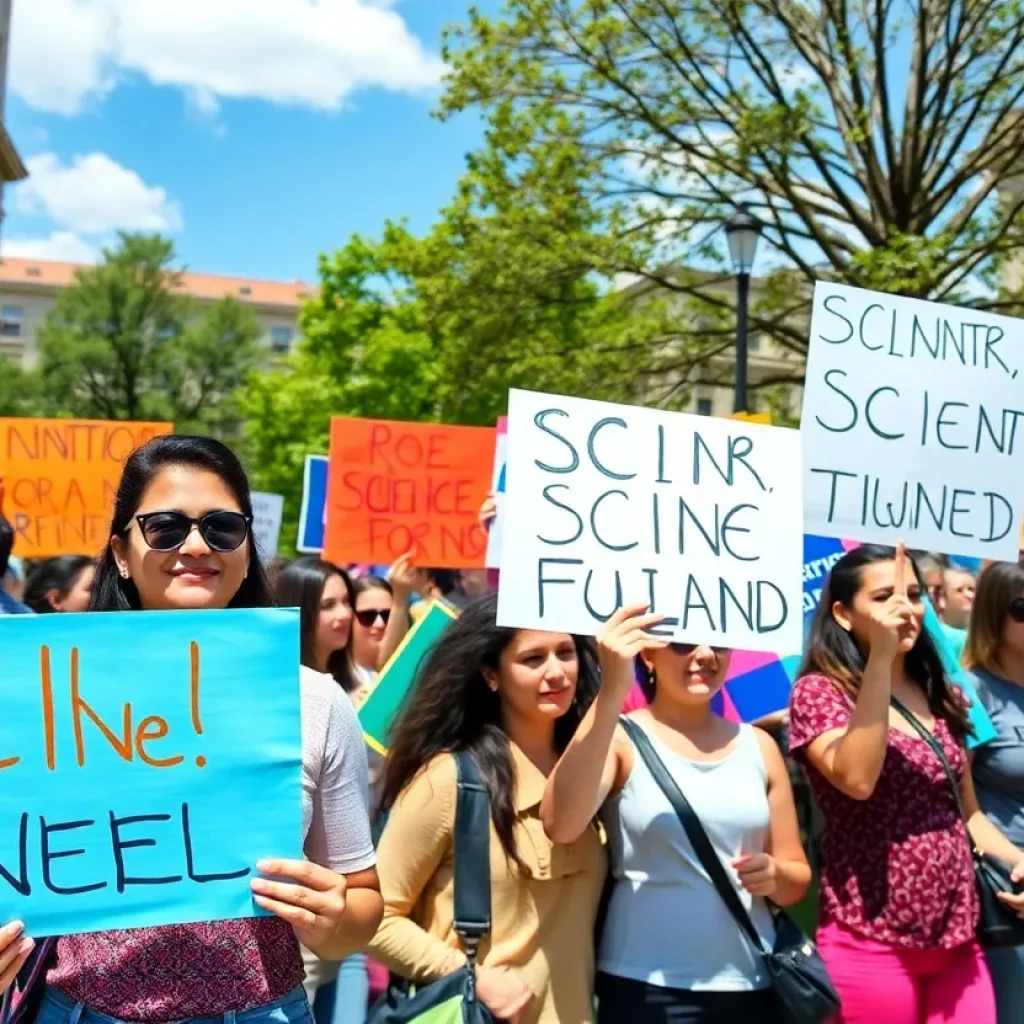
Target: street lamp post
[742,232]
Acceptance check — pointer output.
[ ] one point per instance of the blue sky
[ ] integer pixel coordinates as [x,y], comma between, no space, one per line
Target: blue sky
[256,132]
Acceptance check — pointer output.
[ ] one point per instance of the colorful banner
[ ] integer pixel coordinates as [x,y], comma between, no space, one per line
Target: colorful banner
[60,478]
[385,700]
[494,534]
[398,487]
[313,514]
[148,760]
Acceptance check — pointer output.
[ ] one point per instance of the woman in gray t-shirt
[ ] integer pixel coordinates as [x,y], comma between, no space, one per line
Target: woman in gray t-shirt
[995,654]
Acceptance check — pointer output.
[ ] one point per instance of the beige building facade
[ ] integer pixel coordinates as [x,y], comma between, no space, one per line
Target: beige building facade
[30,288]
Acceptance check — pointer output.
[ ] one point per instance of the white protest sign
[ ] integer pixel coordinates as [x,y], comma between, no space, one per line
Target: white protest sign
[913,424]
[608,504]
[495,534]
[266,525]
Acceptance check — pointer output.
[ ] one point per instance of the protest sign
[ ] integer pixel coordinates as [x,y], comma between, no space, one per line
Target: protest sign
[494,534]
[60,478]
[608,504]
[912,424]
[267,510]
[313,513]
[148,760]
[385,700]
[398,487]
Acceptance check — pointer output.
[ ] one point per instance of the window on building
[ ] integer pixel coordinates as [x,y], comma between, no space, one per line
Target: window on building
[10,321]
[281,338]
[245,290]
[33,272]
[704,406]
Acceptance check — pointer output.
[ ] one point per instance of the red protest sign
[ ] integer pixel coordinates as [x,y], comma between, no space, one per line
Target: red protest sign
[395,487]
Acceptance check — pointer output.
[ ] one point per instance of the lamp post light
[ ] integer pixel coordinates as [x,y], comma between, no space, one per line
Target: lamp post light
[742,232]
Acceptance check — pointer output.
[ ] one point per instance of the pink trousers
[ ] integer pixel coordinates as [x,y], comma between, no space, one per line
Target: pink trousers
[879,984]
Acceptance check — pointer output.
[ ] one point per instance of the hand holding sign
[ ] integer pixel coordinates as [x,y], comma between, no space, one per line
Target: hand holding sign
[14,951]
[312,902]
[620,640]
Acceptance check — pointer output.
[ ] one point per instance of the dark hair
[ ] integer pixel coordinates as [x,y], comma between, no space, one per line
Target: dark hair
[998,585]
[6,544]
[110,592]
[60,574]
[833,652]
[451,707]
[301,585]
[364,584]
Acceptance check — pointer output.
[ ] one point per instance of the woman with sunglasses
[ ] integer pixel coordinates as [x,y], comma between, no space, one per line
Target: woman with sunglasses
[670,950]
[380,620]
[181,539]
[994,653]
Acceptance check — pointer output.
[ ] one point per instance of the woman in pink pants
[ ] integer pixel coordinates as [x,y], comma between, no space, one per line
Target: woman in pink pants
[898,897]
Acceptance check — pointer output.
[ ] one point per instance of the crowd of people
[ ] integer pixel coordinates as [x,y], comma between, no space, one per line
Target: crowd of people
[601,908]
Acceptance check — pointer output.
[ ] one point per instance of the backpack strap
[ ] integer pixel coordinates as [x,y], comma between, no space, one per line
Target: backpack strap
[472,856]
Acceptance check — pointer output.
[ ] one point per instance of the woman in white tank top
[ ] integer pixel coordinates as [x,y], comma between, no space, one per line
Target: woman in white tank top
[670,951]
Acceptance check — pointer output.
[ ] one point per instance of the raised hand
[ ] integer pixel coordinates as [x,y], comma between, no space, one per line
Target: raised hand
[890,630]
[488,511]
[621,639]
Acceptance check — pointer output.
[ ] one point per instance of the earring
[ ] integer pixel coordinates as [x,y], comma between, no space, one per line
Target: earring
[124,573]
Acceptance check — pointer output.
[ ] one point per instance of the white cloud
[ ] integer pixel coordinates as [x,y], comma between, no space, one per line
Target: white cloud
[301,52]
[94,195]
[64,246]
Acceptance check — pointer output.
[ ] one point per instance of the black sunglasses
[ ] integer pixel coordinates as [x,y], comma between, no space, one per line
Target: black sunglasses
[1016,609]
[368,617]
[166,531]
[690,648]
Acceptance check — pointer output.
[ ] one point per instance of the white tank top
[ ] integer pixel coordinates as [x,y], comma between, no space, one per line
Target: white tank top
[666,923]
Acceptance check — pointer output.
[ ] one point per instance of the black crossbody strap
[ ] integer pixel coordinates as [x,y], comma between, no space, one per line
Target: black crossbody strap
[937,750]
[472,856]
[695,832]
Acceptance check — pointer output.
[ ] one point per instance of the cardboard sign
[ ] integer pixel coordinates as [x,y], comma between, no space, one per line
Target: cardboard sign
[608,504]
[60,478]
[148,760]
[913,424]
[385,700]
[266,525]
[313,513]
[397,487]
[494,535]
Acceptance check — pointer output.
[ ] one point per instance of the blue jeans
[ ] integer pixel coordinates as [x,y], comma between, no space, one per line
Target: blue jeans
[57,1008]
[344,1000]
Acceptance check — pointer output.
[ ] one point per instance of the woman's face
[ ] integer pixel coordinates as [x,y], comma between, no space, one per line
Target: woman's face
[373,609]
[877,583]
[334,625]
[1012,641]
[537,674]
[77,598]
[192,576]
[689,674]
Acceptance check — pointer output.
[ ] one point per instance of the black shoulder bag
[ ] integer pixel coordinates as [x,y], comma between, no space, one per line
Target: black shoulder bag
[998,925]
[452,1000]
[798,974]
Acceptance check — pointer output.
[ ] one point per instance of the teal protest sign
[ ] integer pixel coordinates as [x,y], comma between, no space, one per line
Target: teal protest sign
[148,760]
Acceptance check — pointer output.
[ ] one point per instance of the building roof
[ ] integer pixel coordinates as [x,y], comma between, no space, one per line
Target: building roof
[49,275]
[11,167]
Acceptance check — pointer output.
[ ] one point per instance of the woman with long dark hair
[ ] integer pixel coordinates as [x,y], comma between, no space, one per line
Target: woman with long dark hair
[512,699]
[181,538]
[994,653]
[655,966]
[61,584]
[899,904]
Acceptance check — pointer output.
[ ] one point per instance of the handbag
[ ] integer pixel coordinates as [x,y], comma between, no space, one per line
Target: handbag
[453,1000]
[798,976]
[998,925]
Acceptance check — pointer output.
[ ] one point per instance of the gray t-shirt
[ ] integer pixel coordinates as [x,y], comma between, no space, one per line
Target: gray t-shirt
[999,765]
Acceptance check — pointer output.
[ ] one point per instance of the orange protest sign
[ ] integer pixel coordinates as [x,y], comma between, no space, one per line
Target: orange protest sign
[59,479]
[753,417]
[395,487]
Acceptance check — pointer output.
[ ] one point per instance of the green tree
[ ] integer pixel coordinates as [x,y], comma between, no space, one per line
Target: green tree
[870,139]
[19,390]
[125,343]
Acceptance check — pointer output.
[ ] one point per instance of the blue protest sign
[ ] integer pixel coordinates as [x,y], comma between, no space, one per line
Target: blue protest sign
[148,760]
[314,505]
